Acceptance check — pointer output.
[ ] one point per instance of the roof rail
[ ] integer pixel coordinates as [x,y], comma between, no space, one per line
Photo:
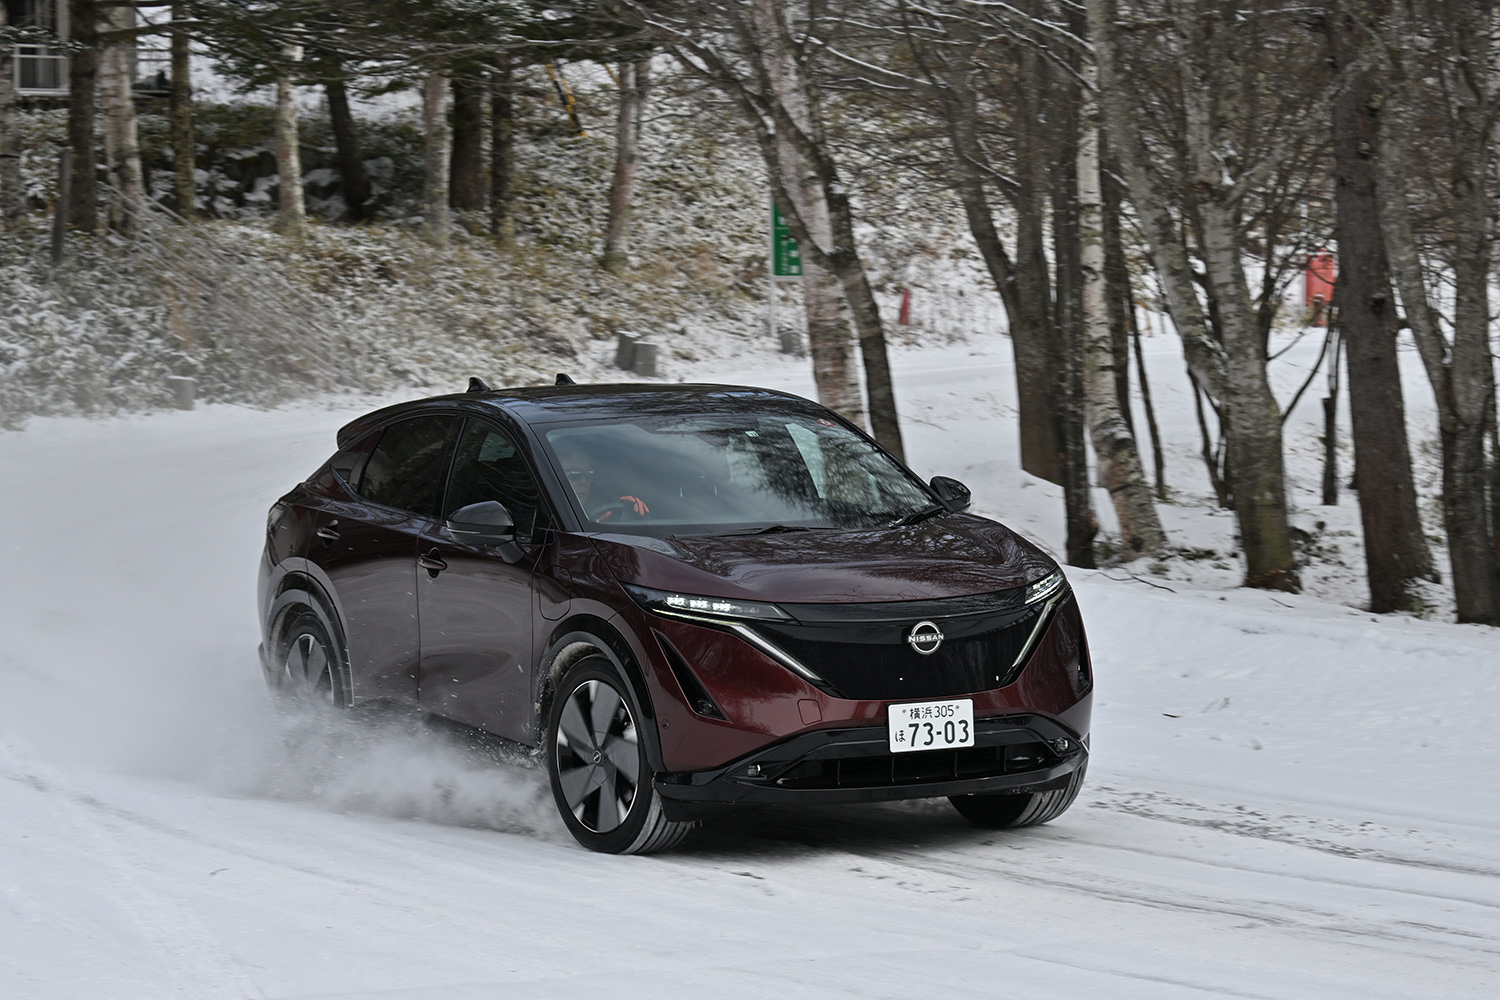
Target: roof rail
[476,384]
[564,379]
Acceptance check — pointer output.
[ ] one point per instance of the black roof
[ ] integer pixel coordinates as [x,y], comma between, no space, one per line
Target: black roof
[546,403]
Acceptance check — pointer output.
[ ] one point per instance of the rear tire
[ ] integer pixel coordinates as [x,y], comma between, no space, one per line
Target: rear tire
[1010,810]
[309,667]
[596,758]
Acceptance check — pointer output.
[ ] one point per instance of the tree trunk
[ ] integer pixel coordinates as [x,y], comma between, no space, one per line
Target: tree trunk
[12,194]
[1065,345]
[794,107]
[1395,550]
[435,159]
[1116,289]
[180,113]
[83,67]
[1041,440]
[1466,480]
[291,214]
[122,148]
[502,154]
[1114,444]
[356,179]
[466,170]
[635,77]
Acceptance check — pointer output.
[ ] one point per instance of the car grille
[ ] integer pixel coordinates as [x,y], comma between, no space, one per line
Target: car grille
[870,660]
[918,768]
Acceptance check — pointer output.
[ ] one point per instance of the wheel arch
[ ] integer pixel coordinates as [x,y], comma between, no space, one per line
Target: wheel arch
[584,635]
[297,589]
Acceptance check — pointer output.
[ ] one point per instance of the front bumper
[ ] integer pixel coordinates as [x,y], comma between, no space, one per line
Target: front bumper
[1011,753]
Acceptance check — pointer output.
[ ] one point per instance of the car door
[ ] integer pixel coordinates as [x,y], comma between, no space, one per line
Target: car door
[475,602]
[368,550]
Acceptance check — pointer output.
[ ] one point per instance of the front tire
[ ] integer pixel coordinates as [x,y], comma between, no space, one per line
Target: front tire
[1010,810]
[596,758]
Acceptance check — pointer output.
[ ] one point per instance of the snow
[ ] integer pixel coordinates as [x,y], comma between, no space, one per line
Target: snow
[1289,797]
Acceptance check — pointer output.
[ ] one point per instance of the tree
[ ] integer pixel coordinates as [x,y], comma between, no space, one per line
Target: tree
[180,111]
[291,213]
[761,61]
[122,148]
[1206,113]
[1447,41]
[1114,443]
[82,104]
[1395,550]
[635,79]
[12,196]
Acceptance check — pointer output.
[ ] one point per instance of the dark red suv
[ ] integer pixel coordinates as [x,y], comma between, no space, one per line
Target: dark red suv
[688,598]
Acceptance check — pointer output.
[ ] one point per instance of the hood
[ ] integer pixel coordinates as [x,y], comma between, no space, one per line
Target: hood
[950,556]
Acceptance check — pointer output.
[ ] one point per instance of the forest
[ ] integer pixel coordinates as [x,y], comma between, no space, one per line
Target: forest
[1191,154]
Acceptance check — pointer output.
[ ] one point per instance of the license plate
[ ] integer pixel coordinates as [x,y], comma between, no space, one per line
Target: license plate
[931,725]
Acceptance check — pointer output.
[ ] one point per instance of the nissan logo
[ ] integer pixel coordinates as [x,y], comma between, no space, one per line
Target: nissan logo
[925,638]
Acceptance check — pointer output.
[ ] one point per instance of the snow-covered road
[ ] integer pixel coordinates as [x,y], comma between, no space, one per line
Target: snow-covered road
[1288,798]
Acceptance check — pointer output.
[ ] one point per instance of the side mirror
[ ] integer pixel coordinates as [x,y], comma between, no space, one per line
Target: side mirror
[486,523]
[952,492]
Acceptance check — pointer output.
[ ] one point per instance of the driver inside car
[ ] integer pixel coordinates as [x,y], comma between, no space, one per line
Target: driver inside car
[580,474]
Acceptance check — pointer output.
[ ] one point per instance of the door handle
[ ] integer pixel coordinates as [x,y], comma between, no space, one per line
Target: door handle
[328,534]
[432,563]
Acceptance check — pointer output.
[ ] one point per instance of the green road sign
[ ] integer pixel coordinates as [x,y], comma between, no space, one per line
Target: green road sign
[786,258]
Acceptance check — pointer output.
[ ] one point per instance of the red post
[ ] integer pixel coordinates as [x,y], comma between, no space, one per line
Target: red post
[903,318]
[1322,271]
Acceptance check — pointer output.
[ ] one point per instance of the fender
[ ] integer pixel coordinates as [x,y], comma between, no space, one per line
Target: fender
[576,638]
[299,589]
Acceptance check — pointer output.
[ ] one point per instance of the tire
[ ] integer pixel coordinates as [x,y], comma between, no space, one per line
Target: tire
[309,667]
[596,759]
[1011,810]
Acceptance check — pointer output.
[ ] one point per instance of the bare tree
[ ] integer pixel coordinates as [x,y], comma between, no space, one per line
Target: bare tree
[1228,356]
[1119,459]
[1395,550]
[1450,40]
[635,80]
[738,50]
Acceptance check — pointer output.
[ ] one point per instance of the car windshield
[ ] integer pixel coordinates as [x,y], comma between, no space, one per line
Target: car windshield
[716,474]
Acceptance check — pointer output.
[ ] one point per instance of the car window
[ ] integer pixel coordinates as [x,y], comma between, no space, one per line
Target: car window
[406,467]
[711,472]
[487,466]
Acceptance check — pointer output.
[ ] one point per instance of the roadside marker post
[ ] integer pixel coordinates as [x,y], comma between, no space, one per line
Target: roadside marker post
[785,264]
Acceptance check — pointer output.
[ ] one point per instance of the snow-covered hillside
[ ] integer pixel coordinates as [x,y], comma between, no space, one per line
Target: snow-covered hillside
[1288,797]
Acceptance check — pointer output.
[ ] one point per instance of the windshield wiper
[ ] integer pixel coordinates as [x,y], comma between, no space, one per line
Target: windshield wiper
[770,529]
[919,515]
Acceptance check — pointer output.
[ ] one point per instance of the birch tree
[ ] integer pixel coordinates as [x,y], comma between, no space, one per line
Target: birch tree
[1120,467]
[435,218]
[744,51]
[1227,358]
[180,111]
[291,214]
[122,148]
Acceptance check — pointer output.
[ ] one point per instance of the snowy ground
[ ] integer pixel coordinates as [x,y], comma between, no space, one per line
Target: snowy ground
[1288,797]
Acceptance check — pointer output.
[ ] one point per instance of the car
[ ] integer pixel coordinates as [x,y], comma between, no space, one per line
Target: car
[685,599]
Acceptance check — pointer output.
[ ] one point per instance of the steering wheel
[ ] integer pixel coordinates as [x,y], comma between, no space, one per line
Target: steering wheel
[615,511]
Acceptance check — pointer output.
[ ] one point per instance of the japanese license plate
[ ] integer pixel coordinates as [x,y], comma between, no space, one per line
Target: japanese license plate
[931,725]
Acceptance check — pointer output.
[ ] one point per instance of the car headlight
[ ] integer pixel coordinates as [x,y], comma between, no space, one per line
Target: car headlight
[1046,587]
[668,602]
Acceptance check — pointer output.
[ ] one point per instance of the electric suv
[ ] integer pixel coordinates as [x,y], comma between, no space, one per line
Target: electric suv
[687,599]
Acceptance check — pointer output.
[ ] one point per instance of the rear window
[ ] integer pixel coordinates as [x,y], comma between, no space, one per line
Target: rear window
[406,468]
